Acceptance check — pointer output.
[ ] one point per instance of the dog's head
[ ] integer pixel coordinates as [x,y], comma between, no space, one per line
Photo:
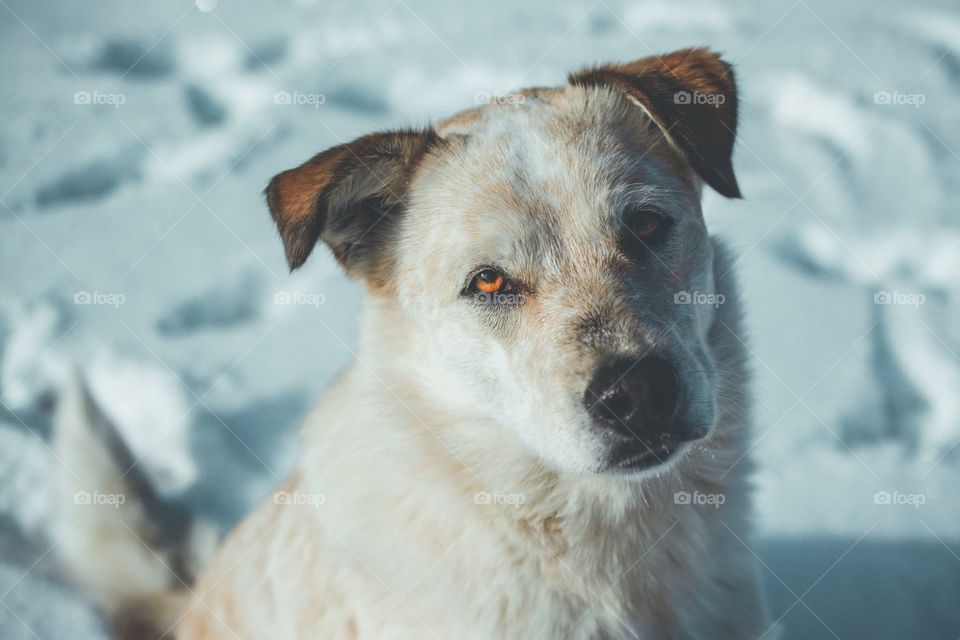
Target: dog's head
[548,246]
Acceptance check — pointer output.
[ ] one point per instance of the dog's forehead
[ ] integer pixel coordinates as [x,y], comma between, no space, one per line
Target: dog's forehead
[564,124]
[543,105]
[561,144]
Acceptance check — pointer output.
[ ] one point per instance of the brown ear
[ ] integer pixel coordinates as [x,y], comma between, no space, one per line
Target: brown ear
[691,95]
[349,196]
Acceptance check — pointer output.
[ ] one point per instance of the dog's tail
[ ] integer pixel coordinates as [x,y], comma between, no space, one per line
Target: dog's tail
[134,553]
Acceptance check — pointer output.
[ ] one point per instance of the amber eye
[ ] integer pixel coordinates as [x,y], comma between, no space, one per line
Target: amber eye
[490,281]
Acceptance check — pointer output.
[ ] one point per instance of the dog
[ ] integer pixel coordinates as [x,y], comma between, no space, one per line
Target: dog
[545,432]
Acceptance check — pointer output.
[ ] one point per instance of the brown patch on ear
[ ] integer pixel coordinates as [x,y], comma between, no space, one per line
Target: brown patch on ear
[292,198]
[349,197]
[692,96]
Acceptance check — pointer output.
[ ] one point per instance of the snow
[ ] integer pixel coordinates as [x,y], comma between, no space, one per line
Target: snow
[134,243]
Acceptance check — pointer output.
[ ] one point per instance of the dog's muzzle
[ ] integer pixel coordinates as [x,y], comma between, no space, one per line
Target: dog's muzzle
[636,403]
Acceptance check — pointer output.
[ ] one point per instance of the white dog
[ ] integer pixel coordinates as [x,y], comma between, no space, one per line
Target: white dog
[542,435]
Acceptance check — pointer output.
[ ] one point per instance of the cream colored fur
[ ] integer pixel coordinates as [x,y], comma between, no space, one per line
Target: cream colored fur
[450,485]
[401,549]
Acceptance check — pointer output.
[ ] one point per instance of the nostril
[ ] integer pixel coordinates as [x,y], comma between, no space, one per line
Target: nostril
[633,397]
[660,388]
[618,404]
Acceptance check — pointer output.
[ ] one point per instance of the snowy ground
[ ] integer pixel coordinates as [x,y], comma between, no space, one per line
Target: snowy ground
[138,136]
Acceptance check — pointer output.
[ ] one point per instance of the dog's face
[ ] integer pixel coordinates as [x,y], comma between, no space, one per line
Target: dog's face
[548,248]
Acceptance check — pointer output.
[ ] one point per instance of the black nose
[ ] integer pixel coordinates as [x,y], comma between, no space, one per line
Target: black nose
[636,399]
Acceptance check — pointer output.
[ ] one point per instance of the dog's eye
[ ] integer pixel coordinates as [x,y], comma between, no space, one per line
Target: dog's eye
[643,229]
[645,224]
[490,281]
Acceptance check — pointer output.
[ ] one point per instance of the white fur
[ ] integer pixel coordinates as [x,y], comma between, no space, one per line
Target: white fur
[399,546]
[452,484]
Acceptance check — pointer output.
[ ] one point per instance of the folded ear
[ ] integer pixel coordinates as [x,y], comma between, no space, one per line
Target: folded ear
[691,95]
[350,196]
